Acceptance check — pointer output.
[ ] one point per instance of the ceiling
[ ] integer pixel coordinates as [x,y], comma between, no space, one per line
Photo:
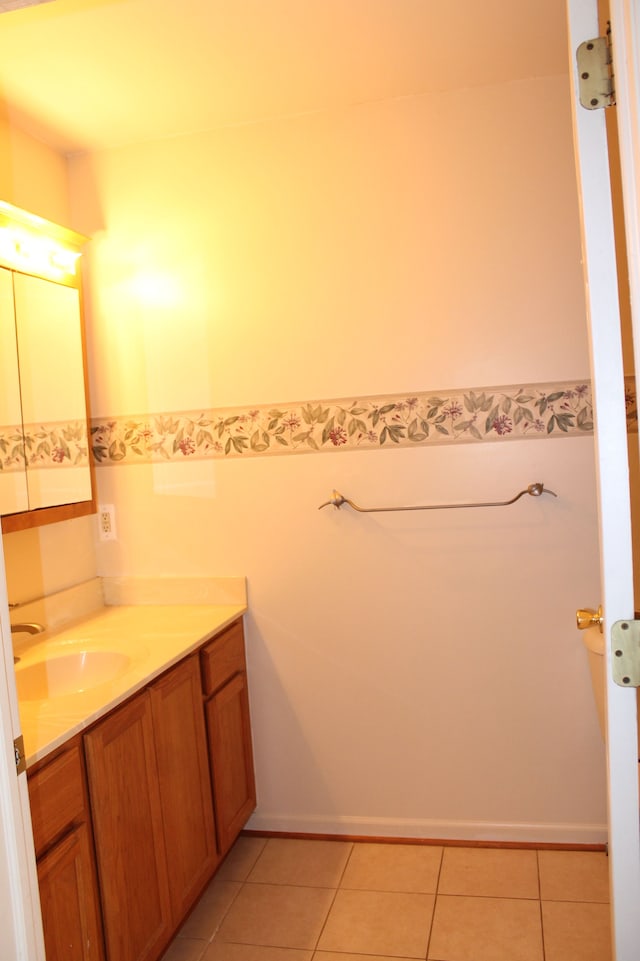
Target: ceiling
[91,74]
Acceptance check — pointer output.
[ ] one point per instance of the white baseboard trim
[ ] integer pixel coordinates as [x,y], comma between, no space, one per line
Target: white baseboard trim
[417,829]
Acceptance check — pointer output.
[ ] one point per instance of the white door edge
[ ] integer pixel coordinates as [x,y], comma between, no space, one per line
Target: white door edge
[20,920]
[616,558]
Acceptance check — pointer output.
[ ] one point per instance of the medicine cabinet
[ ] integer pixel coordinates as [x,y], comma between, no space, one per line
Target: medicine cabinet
[45,469]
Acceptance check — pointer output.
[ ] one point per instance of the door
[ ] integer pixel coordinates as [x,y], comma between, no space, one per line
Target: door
[185,787]
[20,922]
[611,463]
[67,896]
[231,757]
[128,832]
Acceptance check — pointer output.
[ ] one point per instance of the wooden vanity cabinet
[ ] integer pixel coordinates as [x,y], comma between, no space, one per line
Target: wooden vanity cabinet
[152,813]
[129,837]
[169,784]
[224,677]
[185,786]
[65,862]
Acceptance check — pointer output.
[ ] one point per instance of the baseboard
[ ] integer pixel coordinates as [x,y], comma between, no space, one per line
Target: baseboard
[474,832]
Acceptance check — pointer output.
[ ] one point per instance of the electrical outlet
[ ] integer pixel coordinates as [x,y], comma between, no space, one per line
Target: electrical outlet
[107,522]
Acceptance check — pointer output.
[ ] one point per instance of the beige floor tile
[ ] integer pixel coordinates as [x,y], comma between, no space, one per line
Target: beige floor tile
[574,876]
[252,952]
[277,915]
[319,864]
[489,872]
[378,922]
[485,929]
[576,931]
[393,867]
[182,949]
[241,858]
[208,913]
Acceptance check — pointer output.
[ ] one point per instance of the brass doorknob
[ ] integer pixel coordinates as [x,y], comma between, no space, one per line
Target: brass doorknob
[585,617]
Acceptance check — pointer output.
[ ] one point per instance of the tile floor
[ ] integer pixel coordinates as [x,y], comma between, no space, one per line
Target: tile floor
[301,900]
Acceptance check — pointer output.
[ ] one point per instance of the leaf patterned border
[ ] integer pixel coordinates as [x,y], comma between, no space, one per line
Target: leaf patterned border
[53,445]
[486,414]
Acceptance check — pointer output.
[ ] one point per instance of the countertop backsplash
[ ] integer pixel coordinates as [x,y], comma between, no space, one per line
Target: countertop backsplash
[57,611]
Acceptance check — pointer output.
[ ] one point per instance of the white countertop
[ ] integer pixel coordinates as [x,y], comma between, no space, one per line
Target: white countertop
[154,637]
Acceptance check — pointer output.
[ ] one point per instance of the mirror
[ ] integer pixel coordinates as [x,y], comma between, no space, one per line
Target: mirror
[13,477]
[46,474]
[52,391]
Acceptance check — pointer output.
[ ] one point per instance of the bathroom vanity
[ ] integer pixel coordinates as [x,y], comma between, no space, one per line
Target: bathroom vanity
[156,781]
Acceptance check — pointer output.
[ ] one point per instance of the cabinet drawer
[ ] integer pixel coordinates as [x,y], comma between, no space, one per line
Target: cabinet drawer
[56,796]
[223,658]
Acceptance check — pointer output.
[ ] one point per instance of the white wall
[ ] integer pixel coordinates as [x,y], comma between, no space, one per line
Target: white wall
[411,674]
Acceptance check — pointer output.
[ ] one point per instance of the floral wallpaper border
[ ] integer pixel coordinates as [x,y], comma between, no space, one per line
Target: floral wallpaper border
[55,445]
[474,415]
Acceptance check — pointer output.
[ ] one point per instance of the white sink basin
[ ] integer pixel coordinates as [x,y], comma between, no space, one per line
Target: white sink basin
[69,673]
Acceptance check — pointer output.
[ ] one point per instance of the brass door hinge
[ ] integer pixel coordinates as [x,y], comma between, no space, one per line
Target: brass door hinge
[21,761]
[625,652]
[595,73]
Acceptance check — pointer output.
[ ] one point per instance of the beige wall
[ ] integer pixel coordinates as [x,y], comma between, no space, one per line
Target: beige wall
[410,673]
[403,245]
[44,560]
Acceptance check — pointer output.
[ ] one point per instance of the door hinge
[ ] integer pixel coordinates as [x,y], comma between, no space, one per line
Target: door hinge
[595,73]
[21,761]
[625,653]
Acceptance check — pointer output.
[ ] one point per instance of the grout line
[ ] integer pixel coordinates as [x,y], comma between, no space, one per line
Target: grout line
[228,908]
[544,953]
[435,903]
[333,901]
[346,865]
[255,863]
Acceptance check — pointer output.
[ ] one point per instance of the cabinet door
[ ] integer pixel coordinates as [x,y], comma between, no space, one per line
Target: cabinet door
[231,758]
[128,833]
[185,786]
[70,914]
[13,478]
[54,409]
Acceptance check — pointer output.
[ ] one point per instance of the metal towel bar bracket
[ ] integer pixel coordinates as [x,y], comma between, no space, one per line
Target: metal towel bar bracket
[337,500]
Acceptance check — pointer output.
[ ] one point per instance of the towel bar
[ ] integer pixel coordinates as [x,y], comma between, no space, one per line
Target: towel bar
[337,500]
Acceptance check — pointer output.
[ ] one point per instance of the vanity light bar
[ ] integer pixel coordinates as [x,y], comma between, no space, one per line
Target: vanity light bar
[33,245]
[35,254]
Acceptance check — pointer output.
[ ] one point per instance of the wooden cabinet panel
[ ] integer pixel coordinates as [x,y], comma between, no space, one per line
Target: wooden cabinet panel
[223,657]
[127,822]
[56,797]
[66,868]
[185,787]
[231,758]
[70,913]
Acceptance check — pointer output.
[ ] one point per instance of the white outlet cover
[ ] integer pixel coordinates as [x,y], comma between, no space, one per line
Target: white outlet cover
[107,532]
